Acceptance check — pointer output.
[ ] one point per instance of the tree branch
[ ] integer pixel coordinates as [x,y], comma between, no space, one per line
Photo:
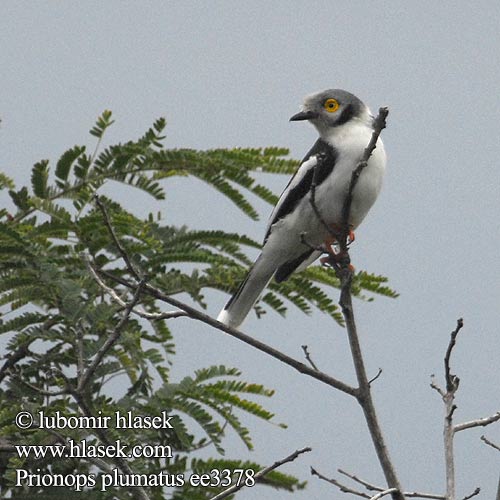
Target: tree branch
[260,474]
[448,397]
[342,487]
[139,492]
[308,357]
[116,241]
[115,335]
[379,124]
[366,484]
[452,380]
[389,491]
[473,494]
[480,422]
[374,487]
[493,445]
[233,332]
[345,274]
[122,303]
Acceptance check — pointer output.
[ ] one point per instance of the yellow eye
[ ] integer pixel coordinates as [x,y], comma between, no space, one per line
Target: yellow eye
[331,105]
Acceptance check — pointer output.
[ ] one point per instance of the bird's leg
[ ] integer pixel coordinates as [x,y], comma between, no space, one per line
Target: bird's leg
[333,238]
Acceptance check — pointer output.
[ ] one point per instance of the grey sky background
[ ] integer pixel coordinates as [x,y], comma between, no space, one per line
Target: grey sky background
[231,74]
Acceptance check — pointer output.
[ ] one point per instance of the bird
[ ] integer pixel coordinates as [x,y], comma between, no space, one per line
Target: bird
[295,235]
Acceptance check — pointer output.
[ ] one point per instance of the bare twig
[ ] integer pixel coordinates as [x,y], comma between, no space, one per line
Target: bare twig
[308,357]
[342,487]
[473,494]
[260,474]
[480,422]
[448,396]
[366,484]
[375,377]
[452,380]
[418,494]
[436,387]
[490,443]
[364,395]
[373,487]
[383,493]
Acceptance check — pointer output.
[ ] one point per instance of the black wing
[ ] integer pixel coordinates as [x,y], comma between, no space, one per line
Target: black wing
[300,184]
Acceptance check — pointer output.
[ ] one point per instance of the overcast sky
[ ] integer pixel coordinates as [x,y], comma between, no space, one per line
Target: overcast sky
[227,74]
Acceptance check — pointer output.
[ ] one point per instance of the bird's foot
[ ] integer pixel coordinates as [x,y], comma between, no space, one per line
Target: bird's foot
[339,257]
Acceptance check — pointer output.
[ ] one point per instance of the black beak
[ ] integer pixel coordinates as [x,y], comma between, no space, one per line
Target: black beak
[304,115]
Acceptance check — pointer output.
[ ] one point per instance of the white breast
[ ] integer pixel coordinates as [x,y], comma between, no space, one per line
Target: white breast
[350,141]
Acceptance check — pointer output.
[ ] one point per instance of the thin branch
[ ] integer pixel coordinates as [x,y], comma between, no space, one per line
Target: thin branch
[379,123]
[39,390]
[20,353]
[342,487]
[383,493]
[375,377]
[115,239]
[103,436]
[436,387]
[260,474]
[80,365]
[233,332]
[452,380]
[480,422]
[345,274]
[364,395]
[115,335]
[308,357]
[473,494]
[417,494]
[141,313]
[373,487]
[452,383]
[366,484]
[490,443]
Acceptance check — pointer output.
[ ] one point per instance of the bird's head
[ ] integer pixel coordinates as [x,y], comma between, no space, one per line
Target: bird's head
[331,108]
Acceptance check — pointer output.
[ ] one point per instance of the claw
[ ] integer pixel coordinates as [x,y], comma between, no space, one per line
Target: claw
[336,254]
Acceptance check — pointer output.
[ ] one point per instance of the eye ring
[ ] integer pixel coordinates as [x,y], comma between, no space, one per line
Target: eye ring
[331,105]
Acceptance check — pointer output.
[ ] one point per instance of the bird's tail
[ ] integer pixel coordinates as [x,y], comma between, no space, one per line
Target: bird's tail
[239,305]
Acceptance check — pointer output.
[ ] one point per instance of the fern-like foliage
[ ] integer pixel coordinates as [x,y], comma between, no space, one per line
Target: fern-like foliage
[55,317]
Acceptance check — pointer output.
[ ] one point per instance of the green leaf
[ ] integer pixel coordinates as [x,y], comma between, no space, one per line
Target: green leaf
[6,181]
[65,163]
[20,198]
[102,123]
[39,178]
